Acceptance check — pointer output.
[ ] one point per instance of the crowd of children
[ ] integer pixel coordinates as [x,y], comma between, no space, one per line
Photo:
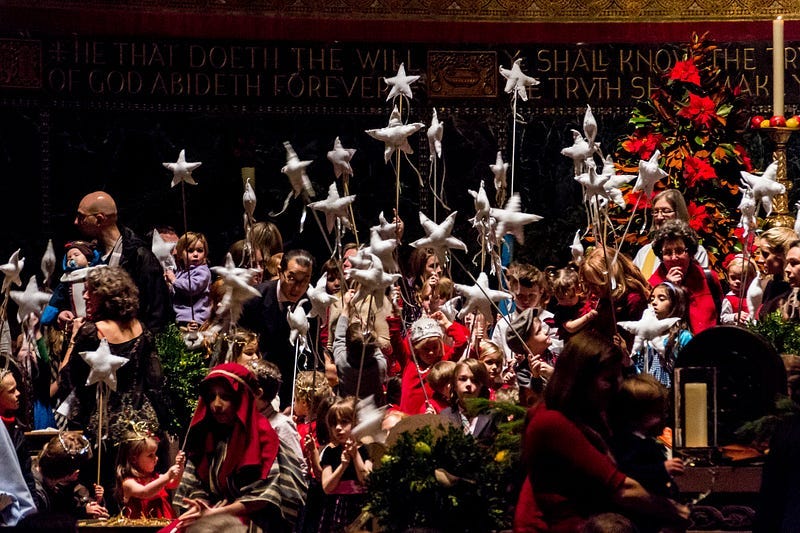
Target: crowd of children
[297,466]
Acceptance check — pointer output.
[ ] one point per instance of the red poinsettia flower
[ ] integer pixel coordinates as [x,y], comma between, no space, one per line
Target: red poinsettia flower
[642,144]
[698,218]
[742,152]
[701,110]
[685,71]
[696,170]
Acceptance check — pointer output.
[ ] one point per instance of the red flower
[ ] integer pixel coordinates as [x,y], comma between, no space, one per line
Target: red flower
[642,144]
[698,218]
[742,152]
[637,197]
[696,170]
[701,110]
[685,71]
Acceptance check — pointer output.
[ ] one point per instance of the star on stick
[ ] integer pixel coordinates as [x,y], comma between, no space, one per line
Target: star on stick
[648,328]
[238,287]
[182,170]
[296,171]
[333,206]
[372,278]
[593,184]
[615,181]
[11,271]
[479,297]
[340,159]
[517,81]
[103,365]
[385,229]
[500,170]
[31,300]
[319,297]
[384,249]
[511,220]
[438,236]
[395,135]
[764,187]
[435,135]
[400,84]
[580,151]
[649,174]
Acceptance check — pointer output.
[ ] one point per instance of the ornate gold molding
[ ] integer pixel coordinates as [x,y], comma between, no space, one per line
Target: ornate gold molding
[450,10]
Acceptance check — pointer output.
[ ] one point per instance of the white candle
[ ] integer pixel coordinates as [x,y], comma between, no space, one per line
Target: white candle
[777,67]
[695,402]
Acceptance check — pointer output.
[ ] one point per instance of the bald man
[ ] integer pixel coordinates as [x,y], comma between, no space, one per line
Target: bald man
[96,219]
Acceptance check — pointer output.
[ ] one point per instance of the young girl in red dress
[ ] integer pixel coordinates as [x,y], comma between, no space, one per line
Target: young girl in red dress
[142,490]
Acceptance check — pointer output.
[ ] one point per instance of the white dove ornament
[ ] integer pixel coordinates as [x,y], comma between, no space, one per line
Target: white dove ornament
[755,294]
[384,250]
[797,220]
[580,151]
[576,248]
[370,419]
[482,206]
[435,135]
[12,270]
[479,297]
[373,280]
[647,328]
[400,84]
[298,326]
[649,174]
[395,135]
[319,297]
[249,201]
[589,125]
[438,236]
[500,171]
[517,81]
[333,206]
[163,251]
[764,187]
[512,220]
[615,181]
[748,207]
[182,170]
[340,159]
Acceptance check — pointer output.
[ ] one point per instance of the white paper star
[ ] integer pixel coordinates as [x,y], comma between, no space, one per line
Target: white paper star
[615,181]
[48,264]
[249,201]
[385,229]
[238,287]
[518,81]
[580,151]
[437,236]
[163,251]
[340,158]
[372,278]
[400,84]
[296,171]
[589,125]
[181,170]
[479,297]
[648,328]
[649,174]
[103,365]
[11,271]
[500,169]
[31,300]
[435,135]
[319,297]
[333,206]
[298,326]
[593,184]
[764,187]
[511,220]
[384,249]
[395,135]
[576,248]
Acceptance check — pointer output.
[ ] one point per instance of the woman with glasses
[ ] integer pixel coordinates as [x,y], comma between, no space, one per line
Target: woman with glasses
[667,205]
[675,245]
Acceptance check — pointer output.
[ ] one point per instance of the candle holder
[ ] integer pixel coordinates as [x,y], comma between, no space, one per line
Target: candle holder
[780,216]
[695,390]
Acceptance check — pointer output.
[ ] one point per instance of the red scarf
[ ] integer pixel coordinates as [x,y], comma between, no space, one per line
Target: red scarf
[253,442]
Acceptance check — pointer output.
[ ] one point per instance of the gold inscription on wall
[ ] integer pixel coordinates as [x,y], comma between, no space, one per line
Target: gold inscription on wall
[602,74]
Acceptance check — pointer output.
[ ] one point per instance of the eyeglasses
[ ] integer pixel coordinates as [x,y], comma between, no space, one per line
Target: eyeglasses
[83,216]
[673,252]
[666,211]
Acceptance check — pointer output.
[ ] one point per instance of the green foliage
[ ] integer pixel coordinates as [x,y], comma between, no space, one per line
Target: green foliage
[403,490]
[760,431]
[184,370]
[783,334]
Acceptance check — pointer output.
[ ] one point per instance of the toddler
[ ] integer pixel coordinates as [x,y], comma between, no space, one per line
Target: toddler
[565,285]
[740,274]
[56,475]
[190,284]
[345,468]
[440,379]
[142,490]
[667,300]
[68,294]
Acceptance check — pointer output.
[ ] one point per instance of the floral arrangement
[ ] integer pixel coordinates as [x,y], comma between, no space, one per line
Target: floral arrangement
[694,119]
[442,479]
